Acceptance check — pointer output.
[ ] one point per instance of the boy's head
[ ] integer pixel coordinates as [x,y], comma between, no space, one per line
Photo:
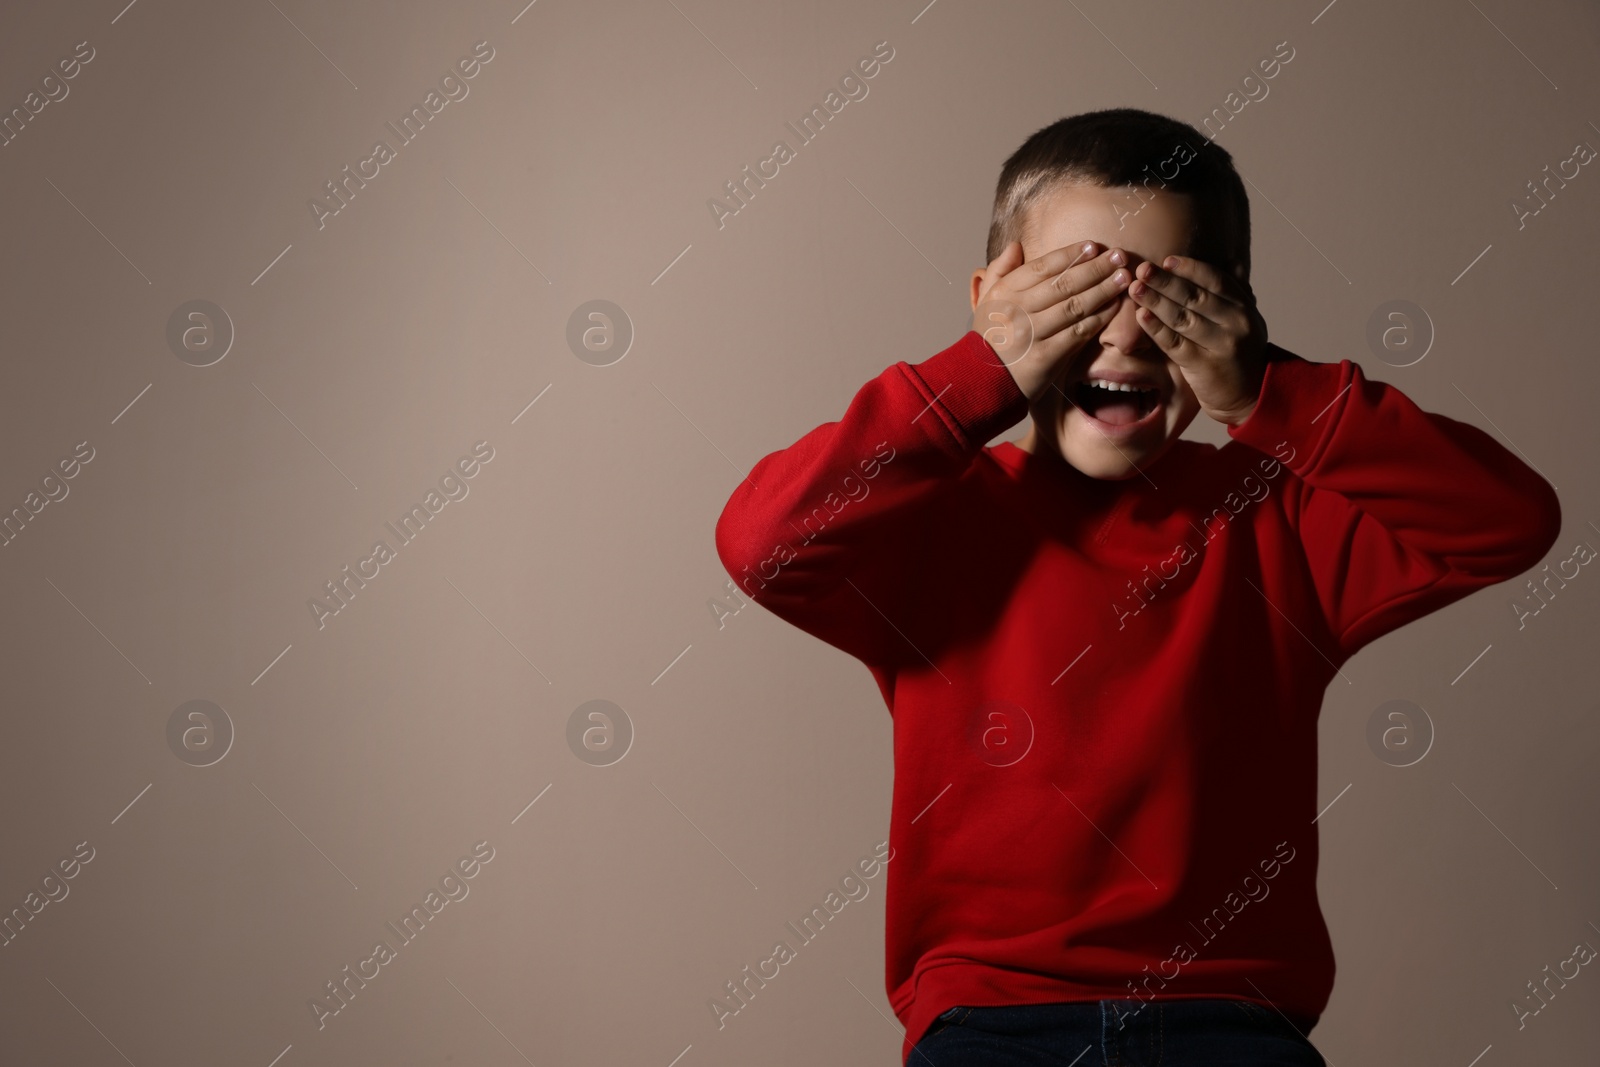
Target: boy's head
[1153,187]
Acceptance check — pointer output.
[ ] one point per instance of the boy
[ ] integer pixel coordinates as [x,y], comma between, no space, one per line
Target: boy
[1105,648]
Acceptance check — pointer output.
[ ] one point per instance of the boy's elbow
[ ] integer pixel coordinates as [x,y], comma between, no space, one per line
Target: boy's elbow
[1549,517]
[732,540]
[741,544]
[1537,525]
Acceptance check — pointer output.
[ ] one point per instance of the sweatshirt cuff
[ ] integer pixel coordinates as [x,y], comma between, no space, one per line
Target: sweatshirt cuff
[970,390]
[1299,403]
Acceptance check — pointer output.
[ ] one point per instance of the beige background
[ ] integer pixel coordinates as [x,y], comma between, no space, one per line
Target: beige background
[428,714]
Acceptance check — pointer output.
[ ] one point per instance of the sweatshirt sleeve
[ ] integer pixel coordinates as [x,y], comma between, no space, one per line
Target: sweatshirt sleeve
[825,533]
[1400,511]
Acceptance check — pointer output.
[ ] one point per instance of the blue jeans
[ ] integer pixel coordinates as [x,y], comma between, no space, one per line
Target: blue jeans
[1118,1033]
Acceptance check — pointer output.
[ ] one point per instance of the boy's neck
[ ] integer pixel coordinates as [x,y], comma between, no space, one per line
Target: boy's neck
[1031,443]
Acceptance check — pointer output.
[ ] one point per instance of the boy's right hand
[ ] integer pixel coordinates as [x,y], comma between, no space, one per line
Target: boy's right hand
[1038,315]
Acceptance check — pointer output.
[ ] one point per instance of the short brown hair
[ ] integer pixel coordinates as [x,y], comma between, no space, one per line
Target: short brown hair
[1126,146]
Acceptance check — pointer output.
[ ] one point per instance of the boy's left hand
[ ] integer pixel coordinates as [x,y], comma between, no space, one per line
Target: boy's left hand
[1206,321]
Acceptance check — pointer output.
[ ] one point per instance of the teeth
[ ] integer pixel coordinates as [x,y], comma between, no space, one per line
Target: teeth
[1120,387]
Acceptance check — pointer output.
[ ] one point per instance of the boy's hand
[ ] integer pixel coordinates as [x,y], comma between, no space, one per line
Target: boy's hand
[1038,315]
[1206,321]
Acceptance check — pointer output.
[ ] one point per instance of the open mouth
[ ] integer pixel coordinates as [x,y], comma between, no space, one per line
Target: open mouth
[1115,405]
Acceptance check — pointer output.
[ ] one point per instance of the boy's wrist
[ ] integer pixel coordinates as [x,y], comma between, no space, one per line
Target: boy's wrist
[1243,415]
[1257,376]
[1294,405]
[970,390]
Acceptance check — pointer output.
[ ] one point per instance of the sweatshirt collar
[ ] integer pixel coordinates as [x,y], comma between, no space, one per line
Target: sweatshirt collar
[1031,467]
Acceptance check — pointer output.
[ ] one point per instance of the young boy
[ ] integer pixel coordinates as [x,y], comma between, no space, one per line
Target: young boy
[1105,648]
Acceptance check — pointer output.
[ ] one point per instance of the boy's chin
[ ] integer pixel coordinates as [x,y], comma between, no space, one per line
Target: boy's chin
[1092,451]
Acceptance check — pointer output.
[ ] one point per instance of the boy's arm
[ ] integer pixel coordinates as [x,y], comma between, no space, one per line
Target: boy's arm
[1401,511]
[826,540]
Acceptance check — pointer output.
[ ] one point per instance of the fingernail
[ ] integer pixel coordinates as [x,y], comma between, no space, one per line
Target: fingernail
[1118,258]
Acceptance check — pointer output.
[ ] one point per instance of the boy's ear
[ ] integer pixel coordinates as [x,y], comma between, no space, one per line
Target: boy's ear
[977,285]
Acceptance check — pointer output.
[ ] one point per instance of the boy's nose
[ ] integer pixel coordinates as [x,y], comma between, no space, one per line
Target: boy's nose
[1124,333]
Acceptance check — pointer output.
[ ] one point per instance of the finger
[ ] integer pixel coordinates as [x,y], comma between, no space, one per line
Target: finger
[1203,275]
[1242,279]
[1045,267]
[1172,324]
[1098,301]
[1166,338]
[1070,281]
[1009,259]
[1057,345]
[1055,261]
[1088,251]
[1183,304]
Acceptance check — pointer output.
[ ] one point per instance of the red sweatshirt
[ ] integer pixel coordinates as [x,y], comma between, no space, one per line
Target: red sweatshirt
[1105,693]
